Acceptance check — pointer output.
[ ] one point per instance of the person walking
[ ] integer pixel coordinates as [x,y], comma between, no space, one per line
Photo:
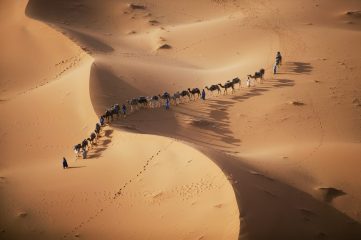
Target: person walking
[124,110]
[65,163]
[279,58]
[203,94]
[167,104]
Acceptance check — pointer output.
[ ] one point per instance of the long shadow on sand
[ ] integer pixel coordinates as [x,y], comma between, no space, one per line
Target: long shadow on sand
[101,145]
[297,67]
[270,209]
[76,167]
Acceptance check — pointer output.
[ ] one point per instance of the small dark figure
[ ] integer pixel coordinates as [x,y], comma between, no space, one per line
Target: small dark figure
[124,110]
[167,104]
[101,120]
[84,154]
[203,94]
[279,58]
[65,163]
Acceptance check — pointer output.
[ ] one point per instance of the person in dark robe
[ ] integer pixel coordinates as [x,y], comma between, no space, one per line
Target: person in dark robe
[65,163]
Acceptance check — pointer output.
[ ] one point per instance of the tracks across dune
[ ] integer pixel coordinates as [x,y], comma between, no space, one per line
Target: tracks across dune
[117,194]
[275,161]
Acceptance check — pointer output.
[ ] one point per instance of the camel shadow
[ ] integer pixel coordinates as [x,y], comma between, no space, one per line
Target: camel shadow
[102,144]
[289,211]
[279,83]
[209,119]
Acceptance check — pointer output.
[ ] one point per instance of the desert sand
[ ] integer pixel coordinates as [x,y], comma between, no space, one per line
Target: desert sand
[278,160]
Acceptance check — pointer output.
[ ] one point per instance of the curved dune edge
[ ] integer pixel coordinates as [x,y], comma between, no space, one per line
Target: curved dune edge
[279,200]
[183,201]
[43,56]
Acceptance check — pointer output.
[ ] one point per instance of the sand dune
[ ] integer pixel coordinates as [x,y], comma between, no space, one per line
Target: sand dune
[278,160]
[41,58]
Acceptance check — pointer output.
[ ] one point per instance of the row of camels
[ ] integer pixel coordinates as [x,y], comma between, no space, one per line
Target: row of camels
[189,94]
[158,101]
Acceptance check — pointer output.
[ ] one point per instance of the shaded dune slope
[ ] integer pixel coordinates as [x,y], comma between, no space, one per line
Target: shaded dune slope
[287,148]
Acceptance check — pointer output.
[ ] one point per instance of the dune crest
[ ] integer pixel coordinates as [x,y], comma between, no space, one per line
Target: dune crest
[275,158]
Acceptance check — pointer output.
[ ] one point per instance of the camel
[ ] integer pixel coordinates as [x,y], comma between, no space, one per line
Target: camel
[77,149]
[226,86]
[84,145]
[143,101]
[194,91]
[97,130]
[185,93]
[108,115]
[133,104]
[236,81]
[92,139]
[213,88]
[115,110]
[176,98]
[154,102]
[257,75]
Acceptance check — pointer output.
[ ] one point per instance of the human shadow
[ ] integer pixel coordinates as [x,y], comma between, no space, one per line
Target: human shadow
[298,67]
[75,167]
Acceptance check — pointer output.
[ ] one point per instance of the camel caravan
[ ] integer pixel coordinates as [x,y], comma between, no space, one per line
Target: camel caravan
[166,99]
[158,101]
[188,95]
